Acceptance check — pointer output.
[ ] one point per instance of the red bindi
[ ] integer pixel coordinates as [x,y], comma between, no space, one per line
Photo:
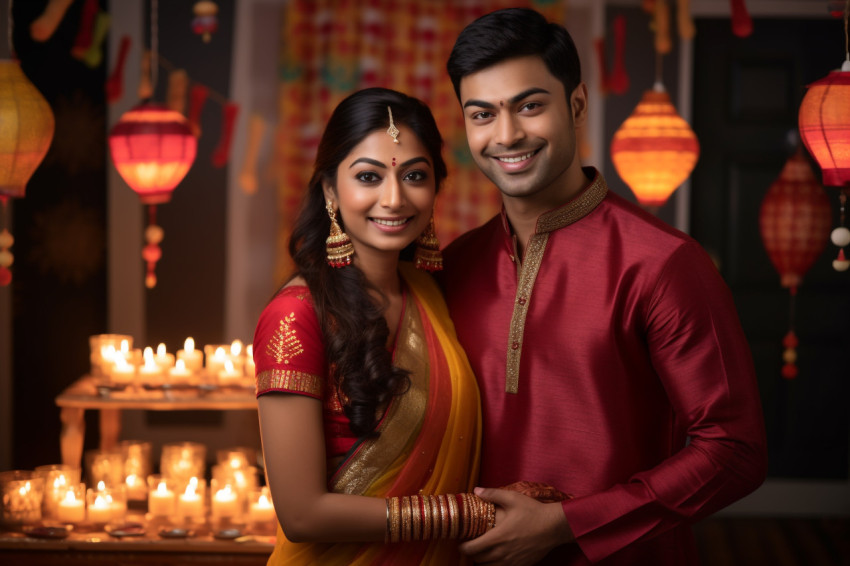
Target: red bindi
[393,161]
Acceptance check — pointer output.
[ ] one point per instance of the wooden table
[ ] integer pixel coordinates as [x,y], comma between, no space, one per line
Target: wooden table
[97,547]
[85,394]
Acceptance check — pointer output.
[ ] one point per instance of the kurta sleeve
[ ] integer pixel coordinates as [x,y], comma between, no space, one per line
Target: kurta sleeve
[289,351]
[700,353]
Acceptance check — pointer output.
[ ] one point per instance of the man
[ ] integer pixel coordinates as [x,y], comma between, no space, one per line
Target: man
[610,358]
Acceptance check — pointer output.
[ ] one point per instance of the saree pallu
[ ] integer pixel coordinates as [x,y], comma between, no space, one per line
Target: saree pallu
[429,440]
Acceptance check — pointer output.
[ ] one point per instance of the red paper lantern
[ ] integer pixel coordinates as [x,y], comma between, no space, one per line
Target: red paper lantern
[26,130]
[794,223]
[824,120]
[152,148]
[655,150]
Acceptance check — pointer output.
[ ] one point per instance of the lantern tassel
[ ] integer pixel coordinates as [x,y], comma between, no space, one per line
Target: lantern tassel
[6,241]
[152,253]
[221,154]
[115,83]
[197,98]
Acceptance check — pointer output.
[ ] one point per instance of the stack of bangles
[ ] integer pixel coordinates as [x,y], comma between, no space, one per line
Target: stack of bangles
[428,517]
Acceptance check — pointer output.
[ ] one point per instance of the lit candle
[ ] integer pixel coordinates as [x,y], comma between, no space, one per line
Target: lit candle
[236,348]
[262,509]
[163,358]
[179,371]
[122,372]
[229,375]
[21,502]
[193,358]
[150,370]
[190,504]
[215,363]
[100,510]
[135,486]
[250,368]
[225,503]
[71,509]
[161,500]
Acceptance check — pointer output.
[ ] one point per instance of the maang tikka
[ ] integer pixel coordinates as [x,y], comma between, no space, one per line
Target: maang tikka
[338,245]
[427,255]
[392,130]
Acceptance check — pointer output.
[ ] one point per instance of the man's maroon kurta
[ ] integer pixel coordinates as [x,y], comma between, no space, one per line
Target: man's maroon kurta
[612,365]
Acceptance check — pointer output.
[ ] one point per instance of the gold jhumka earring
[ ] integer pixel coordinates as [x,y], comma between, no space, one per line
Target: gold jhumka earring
[338,245]
[427,255]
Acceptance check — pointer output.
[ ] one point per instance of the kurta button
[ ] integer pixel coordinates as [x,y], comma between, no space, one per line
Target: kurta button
[521,300]
[515,346]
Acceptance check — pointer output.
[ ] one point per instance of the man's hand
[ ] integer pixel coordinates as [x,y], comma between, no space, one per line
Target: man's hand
[526,530]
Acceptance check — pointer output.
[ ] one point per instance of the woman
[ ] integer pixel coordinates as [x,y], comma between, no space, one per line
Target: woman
[369,412]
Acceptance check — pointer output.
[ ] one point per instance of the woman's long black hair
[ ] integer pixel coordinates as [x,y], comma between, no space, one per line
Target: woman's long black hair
[352,321]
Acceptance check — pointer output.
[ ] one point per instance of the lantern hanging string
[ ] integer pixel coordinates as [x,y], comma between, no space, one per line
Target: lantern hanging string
[154,43]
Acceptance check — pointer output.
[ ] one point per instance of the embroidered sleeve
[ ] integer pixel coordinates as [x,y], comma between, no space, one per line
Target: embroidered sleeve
[289,351]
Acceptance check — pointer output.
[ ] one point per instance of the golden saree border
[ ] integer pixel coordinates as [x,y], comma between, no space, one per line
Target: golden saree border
[403,420]
[292,381]
[561,217]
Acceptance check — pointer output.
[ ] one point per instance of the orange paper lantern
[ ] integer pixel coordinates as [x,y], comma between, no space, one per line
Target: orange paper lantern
[152,148]
[26,130]
[654,150]
[824,121]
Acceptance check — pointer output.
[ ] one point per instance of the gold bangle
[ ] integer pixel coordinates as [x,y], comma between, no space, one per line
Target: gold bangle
[405,519]
[436,525]
[416,516]
[388,528]
[426,517]
[395,519]
[444,516]
[467,516]
[453,516]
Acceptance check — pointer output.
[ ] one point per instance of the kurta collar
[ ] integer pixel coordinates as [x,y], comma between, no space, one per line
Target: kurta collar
[573,211]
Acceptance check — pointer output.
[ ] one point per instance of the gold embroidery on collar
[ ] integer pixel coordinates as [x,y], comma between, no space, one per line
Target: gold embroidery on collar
[527,275]
[574,210]
[284,345]
[289,380]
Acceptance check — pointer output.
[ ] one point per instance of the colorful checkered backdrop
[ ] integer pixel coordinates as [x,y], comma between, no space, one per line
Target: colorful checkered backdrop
[331,48]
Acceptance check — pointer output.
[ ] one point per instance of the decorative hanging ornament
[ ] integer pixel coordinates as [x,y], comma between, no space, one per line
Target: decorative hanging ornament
[205,22]
[655,149]
[824,121]
[25,136]
[152,148]
[794,223]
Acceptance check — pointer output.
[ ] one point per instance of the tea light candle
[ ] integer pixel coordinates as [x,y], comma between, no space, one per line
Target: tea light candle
[71,509]
[215,363]
[262,510]
[229,375]
[122,371]
[179,371]
[150,369]
[189,503]
[192,358]
[250,368]
[163,359]
[161,500]
[225,503]
[21,502]
[100,509]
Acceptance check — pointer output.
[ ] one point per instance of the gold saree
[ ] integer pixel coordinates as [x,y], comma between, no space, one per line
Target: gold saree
[429,442]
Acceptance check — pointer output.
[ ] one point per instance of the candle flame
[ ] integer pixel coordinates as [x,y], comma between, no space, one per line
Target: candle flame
[125,346]
[249,350]
[236,348]
[180,365]
[219,353]
[189,345]
[228,366]
[107,353]
[70,496]
[148,354]
[101,501]
[160,350]
[162,488]
[263,501]
[59,481]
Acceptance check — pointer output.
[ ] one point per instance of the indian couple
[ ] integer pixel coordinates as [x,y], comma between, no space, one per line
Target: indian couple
[576,357]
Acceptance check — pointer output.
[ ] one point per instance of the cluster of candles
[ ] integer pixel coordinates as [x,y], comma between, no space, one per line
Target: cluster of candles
[114,358]
[178,495]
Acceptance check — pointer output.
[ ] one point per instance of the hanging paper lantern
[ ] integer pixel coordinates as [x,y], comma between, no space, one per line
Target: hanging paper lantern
[655,150]
[152,148]
[25,136]
[824,121]
[205,22]
[794,223]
